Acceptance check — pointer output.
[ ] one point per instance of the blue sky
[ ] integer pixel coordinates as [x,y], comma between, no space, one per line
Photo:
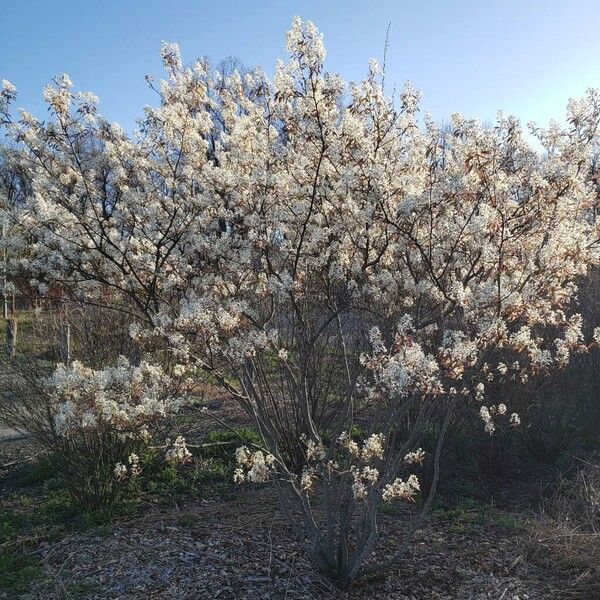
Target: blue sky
[473,56]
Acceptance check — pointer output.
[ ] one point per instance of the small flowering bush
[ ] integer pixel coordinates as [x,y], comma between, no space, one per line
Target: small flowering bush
[321,251]
[96,467]
[102,419]
[96,424]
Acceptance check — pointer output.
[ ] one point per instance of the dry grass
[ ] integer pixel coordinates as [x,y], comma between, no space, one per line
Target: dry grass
[568,537]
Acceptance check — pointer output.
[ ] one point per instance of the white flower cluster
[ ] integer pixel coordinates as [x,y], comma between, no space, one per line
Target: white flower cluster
[122,472]
[404,369]
[363,479]
[177,452]
[256,467]
[487,415]
[314,450]
[134,465]
[305,44]
[372,447]
[125,397]
[401,490]
[307,480]
[170,55]
[417,457]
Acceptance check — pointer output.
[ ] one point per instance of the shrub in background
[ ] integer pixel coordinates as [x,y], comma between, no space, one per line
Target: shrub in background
[94,424]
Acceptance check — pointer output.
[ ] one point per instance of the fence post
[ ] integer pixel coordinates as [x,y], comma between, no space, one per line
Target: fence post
[11,336]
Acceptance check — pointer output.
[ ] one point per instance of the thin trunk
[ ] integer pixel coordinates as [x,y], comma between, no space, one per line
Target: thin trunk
[11,331]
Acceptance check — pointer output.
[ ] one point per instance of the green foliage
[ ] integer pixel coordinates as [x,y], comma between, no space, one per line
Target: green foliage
[17,570]
[22,515]
[37,473]
[470,513]
[169,483]
[222,443]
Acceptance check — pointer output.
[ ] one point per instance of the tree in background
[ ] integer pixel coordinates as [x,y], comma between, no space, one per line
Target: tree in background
[14,189]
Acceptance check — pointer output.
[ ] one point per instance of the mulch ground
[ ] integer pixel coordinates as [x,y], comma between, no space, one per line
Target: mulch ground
[242,549]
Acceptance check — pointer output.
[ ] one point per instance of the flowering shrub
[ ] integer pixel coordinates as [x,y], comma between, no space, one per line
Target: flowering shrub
[101,419]
[96,424]
[319,250]
[97,467]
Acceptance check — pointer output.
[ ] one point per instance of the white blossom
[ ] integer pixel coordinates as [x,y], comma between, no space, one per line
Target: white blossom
[120,471]
[124,397]
[401,490]
[486,416]
[416,457]
[255,467]
[373,447]
[307,480]
[178,452]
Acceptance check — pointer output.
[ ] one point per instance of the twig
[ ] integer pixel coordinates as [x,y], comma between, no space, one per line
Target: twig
[12,463]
